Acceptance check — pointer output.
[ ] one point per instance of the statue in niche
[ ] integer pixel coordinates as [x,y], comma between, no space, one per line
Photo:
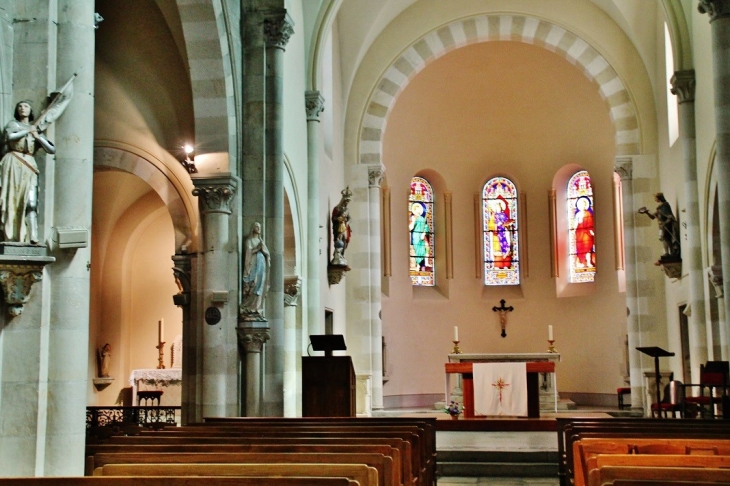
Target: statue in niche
[256,265]
[341,228]
[668,227]
[19,176]
[105,358]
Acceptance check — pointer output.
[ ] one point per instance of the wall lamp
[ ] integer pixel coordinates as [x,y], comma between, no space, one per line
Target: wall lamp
[189,161]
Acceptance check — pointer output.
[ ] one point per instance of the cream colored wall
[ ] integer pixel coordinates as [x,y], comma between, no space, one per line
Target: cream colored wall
[520,111]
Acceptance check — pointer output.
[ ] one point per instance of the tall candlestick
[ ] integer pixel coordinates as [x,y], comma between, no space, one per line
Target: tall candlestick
[550,333]
[456,333]
[160,329]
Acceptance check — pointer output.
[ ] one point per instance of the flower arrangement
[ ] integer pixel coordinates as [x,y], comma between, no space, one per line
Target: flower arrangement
[454,409]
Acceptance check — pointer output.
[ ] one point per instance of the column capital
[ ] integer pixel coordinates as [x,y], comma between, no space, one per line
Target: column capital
[375,175]
[714,273]
[314,104]
[448,196]
[215,193]
[252,339]
[278,28]
[624,167]
[683,85]
[292,290]
[182,271]
[716,9]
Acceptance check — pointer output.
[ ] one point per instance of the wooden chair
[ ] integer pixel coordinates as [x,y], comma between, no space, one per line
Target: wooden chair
[713,399]
[672,403]
[622,392]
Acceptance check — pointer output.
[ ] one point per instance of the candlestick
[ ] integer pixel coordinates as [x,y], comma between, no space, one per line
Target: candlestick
[456,349]
[550,333]
[456,333]
[551,348]
[160,329]
[161,357]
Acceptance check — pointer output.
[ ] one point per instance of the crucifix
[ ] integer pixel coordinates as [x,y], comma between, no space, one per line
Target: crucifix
[503,315]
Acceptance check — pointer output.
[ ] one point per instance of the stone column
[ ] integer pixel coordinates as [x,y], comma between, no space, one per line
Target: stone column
[182,269]
[683,85]
[719,12]
[375,177]
[251,339]
[278,27]
[61,451]
[292,288]
[624,168]
[314,104]
[219,395]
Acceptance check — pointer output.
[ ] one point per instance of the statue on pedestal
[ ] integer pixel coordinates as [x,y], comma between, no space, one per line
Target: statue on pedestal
[255,283]
[341,228]
[668,227]
[105,358]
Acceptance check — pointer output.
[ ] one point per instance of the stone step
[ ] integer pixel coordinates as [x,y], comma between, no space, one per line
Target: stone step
[531,464]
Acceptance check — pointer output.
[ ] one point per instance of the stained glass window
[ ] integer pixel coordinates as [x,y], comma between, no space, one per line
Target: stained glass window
[420,232]
[500,230]
[581,229]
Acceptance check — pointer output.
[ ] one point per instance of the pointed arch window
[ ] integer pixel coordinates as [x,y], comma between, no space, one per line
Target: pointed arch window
[581,228]
[420,233]
[500,232]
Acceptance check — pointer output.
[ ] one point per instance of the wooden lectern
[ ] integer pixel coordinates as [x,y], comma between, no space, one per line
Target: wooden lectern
[328,382]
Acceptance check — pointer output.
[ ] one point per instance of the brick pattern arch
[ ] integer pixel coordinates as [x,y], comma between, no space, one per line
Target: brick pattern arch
[485,28]
[208,49]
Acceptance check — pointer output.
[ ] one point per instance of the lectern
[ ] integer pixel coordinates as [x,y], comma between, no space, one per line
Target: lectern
[328,382]
[656,353]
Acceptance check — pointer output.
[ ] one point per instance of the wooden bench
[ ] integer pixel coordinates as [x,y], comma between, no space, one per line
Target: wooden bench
[363,474]
[179,481]
[609,474]
[383,464]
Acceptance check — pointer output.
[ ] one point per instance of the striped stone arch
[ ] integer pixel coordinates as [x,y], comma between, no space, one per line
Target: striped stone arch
[204,25]
[486,28]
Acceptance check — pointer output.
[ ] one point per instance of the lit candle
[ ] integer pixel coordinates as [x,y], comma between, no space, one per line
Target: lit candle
[550,333]
[456,333]
[160,330]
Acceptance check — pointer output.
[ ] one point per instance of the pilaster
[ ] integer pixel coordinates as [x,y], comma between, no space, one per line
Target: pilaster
[292,378]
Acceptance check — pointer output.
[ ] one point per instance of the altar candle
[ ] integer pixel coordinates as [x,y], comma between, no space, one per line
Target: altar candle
[550,333]
[456,333]
[160,329]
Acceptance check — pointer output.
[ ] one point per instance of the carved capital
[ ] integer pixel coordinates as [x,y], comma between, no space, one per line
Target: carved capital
[181,271]
[375,175]
[252,339]
[314,104]
[683,85]
[215,194]
[16,281]
[292,291]
[714,273]
[278,28]
[624,167]
[716,9]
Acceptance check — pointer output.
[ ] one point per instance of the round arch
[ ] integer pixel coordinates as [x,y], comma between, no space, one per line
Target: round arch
[485,28]
[183,214]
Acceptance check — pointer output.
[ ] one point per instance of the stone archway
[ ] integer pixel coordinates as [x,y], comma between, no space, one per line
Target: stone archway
[486,28]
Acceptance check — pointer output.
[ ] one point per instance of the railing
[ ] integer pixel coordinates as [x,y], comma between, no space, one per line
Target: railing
[110,416]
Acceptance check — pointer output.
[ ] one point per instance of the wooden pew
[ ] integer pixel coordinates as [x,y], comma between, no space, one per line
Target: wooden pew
[609,474]
[97,455]
[179,481]
[364,475]
[380,462]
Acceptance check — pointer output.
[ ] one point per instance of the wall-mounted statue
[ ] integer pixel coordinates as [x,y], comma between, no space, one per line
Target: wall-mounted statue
[668,227]
[105,358]
[341,228]
[255,283]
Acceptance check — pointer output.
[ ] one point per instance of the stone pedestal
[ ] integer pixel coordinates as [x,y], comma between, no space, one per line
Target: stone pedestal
[251,338]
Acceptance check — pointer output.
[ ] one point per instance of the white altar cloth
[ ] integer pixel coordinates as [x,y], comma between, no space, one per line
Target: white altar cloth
[500,389]
[157,378]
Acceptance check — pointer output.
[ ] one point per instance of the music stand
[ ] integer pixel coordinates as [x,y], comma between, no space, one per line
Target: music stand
[327,343]
[656,353]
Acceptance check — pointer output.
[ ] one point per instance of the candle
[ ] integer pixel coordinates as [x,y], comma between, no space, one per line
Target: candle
[160,330]
[456,333]
[550,333]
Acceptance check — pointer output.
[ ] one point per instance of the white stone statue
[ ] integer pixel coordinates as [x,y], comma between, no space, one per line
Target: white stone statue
[255,282]
[19,176]
[106,359]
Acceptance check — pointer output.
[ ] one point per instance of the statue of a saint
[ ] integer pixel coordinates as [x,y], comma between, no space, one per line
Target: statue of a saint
[668,226]
[255,283]
[341,228]
[106,358]
[19,176]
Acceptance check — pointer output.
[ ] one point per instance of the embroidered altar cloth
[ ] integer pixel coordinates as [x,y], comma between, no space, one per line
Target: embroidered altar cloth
[153,376]
[500,389]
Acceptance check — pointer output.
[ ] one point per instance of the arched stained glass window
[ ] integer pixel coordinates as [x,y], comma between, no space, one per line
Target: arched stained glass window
[500,230]
[581,229]
[420,229]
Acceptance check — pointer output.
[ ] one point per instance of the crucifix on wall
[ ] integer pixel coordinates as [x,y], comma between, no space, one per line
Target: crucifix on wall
[503,315]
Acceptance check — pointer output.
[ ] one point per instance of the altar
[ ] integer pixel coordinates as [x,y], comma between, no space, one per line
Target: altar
[546,377]
[157,378]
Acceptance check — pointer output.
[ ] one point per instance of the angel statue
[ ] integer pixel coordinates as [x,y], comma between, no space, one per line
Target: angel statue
[23,136]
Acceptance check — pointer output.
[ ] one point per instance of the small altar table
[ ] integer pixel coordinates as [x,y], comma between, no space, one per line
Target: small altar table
[151,376]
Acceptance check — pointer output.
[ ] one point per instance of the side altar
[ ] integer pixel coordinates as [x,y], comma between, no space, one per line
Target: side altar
[157,378]
[547,384]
